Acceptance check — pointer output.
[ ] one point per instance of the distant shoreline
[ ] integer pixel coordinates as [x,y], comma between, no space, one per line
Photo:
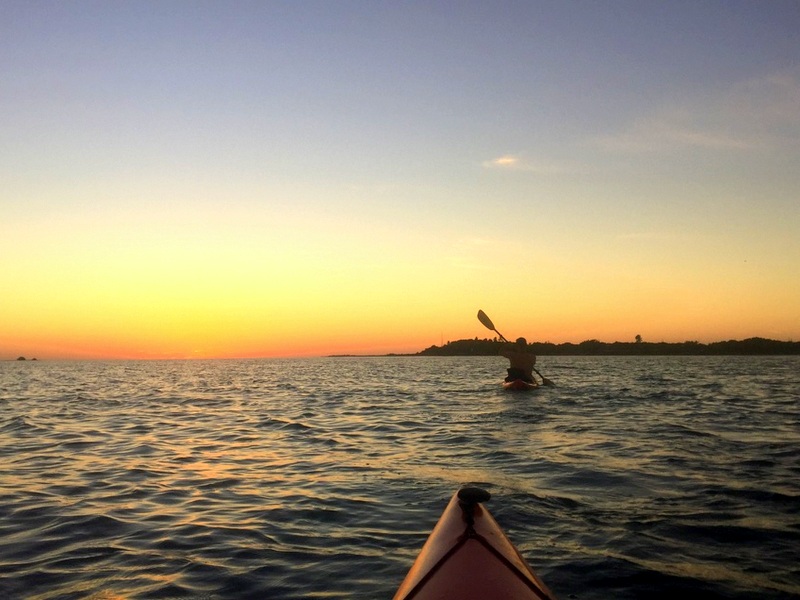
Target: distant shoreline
[490,347]
[750,346]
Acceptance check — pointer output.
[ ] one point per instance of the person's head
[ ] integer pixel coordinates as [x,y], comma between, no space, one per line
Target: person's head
[522,343]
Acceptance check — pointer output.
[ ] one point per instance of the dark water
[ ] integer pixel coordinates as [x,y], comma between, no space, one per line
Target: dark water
[634,478]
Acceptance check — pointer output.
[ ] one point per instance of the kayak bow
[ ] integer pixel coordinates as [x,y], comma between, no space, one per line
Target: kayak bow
[469,556]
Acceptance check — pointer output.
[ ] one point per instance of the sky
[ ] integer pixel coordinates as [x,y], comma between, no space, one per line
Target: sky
[304,178]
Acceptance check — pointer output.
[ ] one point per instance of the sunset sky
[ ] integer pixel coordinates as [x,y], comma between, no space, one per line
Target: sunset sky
[236,179]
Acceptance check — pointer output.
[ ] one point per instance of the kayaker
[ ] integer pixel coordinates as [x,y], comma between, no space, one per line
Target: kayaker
[522,361]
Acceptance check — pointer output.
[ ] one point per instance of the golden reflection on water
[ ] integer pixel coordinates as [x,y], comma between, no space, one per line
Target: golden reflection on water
[168,468]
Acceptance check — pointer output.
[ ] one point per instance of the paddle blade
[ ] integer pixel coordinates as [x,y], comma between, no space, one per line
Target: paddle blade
[545,380]
[487,322]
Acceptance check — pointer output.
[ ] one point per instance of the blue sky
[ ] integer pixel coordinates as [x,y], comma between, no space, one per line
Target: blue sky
[621,167]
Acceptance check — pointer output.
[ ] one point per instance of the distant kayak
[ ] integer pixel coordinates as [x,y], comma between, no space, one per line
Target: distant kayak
[519,385]
[467,555]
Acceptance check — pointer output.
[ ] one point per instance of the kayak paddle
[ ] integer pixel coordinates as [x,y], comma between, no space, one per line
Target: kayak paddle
[487,322]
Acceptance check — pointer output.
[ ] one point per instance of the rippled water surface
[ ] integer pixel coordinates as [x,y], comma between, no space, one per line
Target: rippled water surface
[641,477]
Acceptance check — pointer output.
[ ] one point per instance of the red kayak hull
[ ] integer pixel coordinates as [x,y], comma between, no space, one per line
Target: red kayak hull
[519,385]
[465,561]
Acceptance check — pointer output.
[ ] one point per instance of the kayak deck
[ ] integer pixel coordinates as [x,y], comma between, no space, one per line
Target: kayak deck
[467,555]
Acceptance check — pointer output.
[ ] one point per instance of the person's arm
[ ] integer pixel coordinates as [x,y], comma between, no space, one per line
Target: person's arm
[506,351]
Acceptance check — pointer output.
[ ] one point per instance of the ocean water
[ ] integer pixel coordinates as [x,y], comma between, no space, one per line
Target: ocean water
[635,477]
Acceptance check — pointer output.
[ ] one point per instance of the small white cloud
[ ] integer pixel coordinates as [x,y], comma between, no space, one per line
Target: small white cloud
[502,162]
[541,167]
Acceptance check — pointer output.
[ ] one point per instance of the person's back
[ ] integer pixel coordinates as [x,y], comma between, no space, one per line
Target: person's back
[521,361]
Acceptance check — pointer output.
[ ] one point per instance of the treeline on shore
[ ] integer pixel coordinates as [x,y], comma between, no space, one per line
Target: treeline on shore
[490,347]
